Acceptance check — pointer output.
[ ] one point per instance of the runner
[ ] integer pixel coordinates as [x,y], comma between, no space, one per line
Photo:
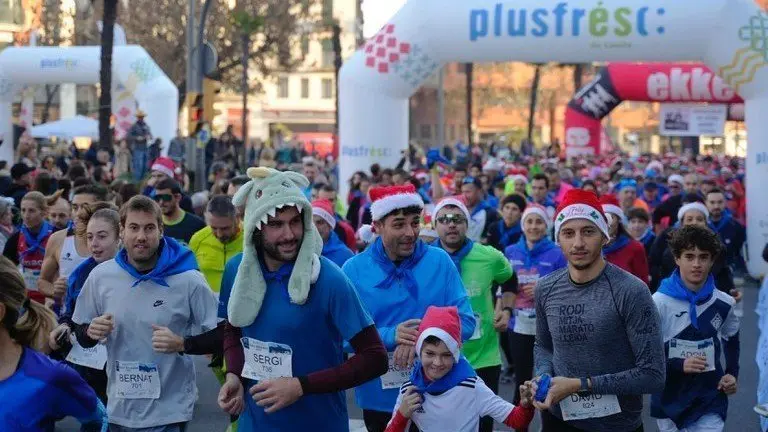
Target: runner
[294,310]
[622,250]
[397,278]
[21,176]
[482,215]
[540,193]
[151,286]
[26,248]
[37,391]
[597,331]
[731,233]
[165,168]
[666,213]
[325,221]
[627,195]
[443,392]
[533,257]
[640,228]
[482,270]
[698,324]
[59,211]
[508,231]
[177,223]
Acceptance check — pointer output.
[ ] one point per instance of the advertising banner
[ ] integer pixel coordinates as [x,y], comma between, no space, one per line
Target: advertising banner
[687,120]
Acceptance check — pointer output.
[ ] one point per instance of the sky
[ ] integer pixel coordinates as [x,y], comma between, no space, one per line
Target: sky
[376,13]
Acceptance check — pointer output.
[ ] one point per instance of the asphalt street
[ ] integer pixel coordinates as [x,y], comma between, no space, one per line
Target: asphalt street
[741,418]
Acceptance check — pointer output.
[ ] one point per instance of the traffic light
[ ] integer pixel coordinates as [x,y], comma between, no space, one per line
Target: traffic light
[211,90]
[195,120]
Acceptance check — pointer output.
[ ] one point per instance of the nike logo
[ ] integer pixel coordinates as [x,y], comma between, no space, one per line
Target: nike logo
[680,314]
[158,303]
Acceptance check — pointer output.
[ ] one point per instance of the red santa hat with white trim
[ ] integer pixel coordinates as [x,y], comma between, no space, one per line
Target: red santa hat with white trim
[444,324]
[164,165]
[536,209]
[324,209]
[387,199]
[454,201]
[581,204]
[611,207]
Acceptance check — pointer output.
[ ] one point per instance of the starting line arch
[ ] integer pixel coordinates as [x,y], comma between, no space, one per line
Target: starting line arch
[729,36]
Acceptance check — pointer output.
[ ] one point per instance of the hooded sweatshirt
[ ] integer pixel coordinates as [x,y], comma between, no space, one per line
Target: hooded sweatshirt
[173,294]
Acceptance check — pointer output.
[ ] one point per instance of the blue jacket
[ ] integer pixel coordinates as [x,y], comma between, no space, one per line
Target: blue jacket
[335,250]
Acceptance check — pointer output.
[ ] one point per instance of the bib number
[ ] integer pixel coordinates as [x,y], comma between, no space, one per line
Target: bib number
[94,358]
[266,360]
[478,333]
[30,278]
[525,322]
[575,407]
[683,349]
[137,380]
[395,377]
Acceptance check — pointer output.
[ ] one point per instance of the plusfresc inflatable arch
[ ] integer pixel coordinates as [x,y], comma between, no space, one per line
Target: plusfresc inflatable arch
[729,36]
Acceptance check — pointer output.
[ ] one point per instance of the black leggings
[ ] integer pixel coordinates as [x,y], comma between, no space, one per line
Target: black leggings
[489,375]
[507,350]
[550,423]
[522,352]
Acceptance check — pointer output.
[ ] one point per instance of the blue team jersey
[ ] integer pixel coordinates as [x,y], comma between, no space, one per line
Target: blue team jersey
[43,391]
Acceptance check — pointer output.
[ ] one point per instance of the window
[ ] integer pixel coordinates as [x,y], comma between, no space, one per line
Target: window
[304,45]
[327,9]
[282,87]
[305,88]
[328,54]
[426,131]
[327,88]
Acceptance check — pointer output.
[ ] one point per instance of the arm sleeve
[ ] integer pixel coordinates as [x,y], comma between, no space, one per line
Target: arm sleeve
[398,423]
[542,348]
[724,276]
[86,309]
[233,351]
[643,329]
[210,342]
[731,343]
[77,399]
[520,417]
[511,285]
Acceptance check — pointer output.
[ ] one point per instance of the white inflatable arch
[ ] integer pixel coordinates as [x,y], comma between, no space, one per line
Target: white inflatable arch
[132,66]
[730,36]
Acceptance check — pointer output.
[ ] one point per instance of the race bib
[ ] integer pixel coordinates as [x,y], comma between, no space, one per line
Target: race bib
[94,358]
[525,322]
[266,360]
[682,349]
[575,407]
[395,377]
[136,380]
[30,278]
[478,333]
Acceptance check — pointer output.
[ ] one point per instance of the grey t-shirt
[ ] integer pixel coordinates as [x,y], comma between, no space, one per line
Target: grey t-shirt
[607,329]
[187,307]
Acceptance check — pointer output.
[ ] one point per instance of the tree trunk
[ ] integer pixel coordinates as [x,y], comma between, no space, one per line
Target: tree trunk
[578,75]
[105,98]
[470,90]
[50,92]
[534,100]
[337,62]
[246,39]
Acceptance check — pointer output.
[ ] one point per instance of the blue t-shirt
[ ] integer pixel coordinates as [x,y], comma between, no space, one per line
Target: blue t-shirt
[316,332]
[42,391]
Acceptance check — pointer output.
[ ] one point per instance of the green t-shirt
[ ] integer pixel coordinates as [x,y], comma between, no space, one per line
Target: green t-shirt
[481,270]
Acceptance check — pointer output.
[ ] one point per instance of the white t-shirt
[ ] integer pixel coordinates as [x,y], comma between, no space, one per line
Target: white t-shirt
[459,409]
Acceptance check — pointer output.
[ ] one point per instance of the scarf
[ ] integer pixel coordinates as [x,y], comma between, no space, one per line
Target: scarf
[621,241]
[35,243]
[402,272]
[531,255]
[506,234]
[173,259]
[458,373]
[721,224]
[482,205]
[459,255]
[649,234]
[674,287]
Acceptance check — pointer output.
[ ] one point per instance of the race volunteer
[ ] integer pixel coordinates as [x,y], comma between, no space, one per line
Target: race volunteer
[151,286]
[598,332]
[398,277]
[291,312]
[482,270]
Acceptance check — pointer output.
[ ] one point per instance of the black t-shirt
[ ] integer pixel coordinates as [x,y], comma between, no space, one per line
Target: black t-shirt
[185,229]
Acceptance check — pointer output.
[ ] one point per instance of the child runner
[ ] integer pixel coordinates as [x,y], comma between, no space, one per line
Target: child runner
[442,380]
[698,324]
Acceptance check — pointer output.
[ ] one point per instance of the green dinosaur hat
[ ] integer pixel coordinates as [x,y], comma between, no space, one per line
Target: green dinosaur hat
[266,192]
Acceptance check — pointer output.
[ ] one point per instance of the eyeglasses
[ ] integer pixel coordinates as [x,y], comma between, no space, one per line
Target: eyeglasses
[451,218]
[164,197]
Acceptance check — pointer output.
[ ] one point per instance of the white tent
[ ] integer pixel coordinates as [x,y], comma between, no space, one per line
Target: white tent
[69,128]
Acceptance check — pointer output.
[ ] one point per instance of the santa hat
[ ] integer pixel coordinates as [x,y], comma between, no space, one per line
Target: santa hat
[611,207]
[387,199]
[444,324]
[451,201]
[693,206]
[581,204]
[676,178]
[366,234]
[164,165]
[324,209]
[536,209]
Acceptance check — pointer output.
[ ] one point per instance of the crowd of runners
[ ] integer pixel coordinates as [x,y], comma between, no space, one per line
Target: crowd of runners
[586,282]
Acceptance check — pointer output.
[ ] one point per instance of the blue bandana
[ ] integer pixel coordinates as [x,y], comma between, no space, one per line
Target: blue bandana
[35,243]
[458,373]
[674,287]
[719,225]
[174,259]
[506,234]
[402,272]
[460,254]
[617,244]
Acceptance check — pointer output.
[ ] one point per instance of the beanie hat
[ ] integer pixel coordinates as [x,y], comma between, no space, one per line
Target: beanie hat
[387,199]
[266,192]
[581,204]
[517,199]
[693,206]
[676,178]
[536,209]
[451,201]
[611,207]
[444,324]
[324,209]
[164,165]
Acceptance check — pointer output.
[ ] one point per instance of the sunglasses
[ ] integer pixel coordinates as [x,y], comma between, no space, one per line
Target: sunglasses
[451,218]
[164,197]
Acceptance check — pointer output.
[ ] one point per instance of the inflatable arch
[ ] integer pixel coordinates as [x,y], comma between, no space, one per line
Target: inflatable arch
[132,66]
[653,82]
[727,35]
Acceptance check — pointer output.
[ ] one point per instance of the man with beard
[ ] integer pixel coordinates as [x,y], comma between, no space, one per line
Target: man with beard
[177,223]
[598,332]
[398,277]
[151,286]
[482,215]
[731,233]
[291,312]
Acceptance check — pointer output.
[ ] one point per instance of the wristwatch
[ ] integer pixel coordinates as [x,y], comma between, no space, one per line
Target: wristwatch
[586,386]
